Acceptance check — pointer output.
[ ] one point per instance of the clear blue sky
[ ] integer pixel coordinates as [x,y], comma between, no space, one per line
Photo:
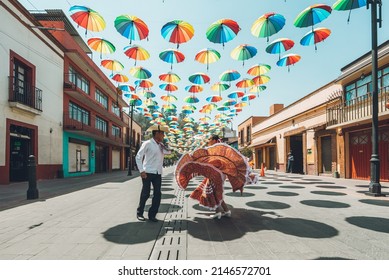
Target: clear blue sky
[347,42]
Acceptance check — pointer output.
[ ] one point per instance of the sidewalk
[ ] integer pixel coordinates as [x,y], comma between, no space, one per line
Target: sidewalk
[282,217]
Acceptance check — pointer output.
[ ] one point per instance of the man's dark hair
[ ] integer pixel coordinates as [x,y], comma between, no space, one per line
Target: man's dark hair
[215,137]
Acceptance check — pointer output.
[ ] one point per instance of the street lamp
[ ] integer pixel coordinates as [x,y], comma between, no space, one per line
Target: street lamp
[132,103]
[374,186]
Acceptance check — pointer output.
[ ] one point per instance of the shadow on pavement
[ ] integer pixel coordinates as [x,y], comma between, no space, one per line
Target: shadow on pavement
[133,233]
[265,204]
[371,223]
[325,204]
[244,221]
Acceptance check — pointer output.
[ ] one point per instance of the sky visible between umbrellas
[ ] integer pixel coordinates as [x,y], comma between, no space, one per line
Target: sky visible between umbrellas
[316,67]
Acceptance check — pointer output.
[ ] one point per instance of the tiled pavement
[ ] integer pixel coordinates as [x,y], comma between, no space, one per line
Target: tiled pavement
[282,217]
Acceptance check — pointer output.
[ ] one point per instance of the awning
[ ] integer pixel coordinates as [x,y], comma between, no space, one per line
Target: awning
[263,142]
[295,131]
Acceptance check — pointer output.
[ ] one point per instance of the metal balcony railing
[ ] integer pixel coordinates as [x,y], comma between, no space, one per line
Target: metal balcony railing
[24,93]
[356,109]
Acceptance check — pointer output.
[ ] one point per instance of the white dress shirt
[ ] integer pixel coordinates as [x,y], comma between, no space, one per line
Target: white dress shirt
[150,157]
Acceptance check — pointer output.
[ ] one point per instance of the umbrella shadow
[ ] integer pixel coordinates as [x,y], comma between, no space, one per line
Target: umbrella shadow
[325,203]
[133,233]
[370,223]
[244,221]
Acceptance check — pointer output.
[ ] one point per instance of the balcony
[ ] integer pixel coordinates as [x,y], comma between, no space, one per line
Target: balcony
[356,110]
[81,125]
[24,96]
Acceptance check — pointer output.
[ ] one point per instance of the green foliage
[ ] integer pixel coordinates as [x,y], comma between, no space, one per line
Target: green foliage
[247,152]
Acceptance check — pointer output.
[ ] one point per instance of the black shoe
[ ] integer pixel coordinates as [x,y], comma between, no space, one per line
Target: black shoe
[140,218]
[153,219]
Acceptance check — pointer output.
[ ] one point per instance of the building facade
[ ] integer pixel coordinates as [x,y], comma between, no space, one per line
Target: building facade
[31,96]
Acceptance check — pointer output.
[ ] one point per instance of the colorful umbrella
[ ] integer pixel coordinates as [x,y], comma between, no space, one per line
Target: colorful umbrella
[135,102]
[120,78]
[177,31]
[315,36]
[258,69]
[101,45]
[194,88]
[220,87]
[168,87]
[222,31]
[140,73]
[207,56]
[267,25]
[248,97]
[229,76]
[143,83]
[243,52]
[169,98]
[136,52]
[148,94]
[87,18]
[191,99]
[230,102]
[312,15]
[260,80]
[128,88]
[257,89]
[245,83]
[199,78]
[169,77]
[236,94]
[279,46]
[288,60]
[112,65]
[131,27]
[214,98]
[131,96]
[348,5]
[172,56]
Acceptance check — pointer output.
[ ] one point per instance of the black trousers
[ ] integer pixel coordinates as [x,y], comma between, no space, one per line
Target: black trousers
[156,180]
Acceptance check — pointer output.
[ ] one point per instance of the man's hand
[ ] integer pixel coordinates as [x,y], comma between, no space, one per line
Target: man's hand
[143,175]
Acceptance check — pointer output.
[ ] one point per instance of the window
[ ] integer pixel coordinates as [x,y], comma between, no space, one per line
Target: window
[78,113]
[363,86]
[115,131]
[77,79]
[248,133]
[115,110]
[241,137]
[101,98]
[101,124]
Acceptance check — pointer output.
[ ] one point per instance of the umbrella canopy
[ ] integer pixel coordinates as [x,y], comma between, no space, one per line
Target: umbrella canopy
[288,60]
[112,64]
[219,87]
[128,88]
[131,27]
[258,69]
[279,46]
[136,52]
[214,98]
[177,31]
[229,76]
[230,102]
[101,46]
[222,31]
[248,97]
[199,78]
[172,56]
[243,52]
[207,56]
[140,73]
[120,78]
[236,94]
[169,77]
[348,5]
[267,25]
[260,80]
[168,87]
[194,88]
[87,18]
[169,98]
[143,83]
[245,83]
[148,94]
[257,89]
[315,36]
[135,102]
[312,15]
[191,99]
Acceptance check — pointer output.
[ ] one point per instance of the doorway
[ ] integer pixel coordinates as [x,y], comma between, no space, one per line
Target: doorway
[296,146]
[101,159]
[19,153]
[326,154]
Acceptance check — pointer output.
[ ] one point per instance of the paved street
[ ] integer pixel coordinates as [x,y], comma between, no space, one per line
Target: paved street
[282,217]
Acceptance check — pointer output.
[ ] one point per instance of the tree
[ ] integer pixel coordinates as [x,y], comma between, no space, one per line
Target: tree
[247,152]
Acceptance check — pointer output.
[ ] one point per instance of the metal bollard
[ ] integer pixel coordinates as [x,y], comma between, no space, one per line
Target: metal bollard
[32,192]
